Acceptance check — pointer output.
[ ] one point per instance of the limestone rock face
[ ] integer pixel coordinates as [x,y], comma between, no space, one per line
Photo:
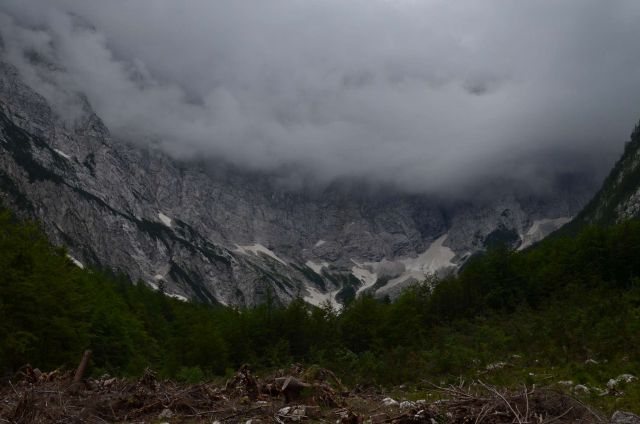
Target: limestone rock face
[211,232]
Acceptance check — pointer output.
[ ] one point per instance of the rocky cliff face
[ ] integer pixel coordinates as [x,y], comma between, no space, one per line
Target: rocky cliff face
[619,197]
[217,234]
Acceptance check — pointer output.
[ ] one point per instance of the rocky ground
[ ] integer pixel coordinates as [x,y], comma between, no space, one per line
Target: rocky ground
[294,395]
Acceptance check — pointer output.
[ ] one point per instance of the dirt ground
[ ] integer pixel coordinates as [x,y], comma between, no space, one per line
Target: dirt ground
[293,395]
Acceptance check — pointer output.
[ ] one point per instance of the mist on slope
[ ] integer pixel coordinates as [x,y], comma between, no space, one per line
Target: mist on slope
[431,96]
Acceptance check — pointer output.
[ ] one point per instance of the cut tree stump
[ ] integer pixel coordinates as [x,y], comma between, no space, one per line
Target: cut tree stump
[291,387]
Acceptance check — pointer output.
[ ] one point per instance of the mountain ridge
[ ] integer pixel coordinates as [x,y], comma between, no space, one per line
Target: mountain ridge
[226,237]
[619,196]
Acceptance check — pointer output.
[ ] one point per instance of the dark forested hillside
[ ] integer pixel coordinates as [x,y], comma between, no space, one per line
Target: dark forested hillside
[565,301]
[619,197]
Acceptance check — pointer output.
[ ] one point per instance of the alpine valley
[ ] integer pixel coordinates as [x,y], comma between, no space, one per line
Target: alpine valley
[213,232]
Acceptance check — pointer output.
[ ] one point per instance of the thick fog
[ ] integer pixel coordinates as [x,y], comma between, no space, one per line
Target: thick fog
[433,95]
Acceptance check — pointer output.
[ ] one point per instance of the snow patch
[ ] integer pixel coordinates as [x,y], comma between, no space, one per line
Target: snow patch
[317,268]
[165,219]
[177,296]
[319,243]
[317,298]
[433,260]
[540,229]
[257,249]
[76,262]
[436,258]
[63,154]
[364,274]
[156,287]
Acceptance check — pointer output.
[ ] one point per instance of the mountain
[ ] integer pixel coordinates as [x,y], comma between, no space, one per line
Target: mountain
[215,233]
[619,197]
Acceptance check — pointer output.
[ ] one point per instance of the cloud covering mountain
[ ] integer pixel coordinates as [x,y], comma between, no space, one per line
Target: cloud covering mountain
[431,95]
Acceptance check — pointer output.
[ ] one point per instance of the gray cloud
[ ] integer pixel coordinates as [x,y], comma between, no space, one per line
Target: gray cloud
[432,95]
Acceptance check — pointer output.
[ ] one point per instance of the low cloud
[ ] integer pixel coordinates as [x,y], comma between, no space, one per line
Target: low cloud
[435,96]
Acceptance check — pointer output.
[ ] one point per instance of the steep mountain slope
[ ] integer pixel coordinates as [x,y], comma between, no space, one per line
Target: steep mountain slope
[218,234]
[619,197]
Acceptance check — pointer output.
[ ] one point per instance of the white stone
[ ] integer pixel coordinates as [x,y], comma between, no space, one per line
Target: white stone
[407,404]
[389,402]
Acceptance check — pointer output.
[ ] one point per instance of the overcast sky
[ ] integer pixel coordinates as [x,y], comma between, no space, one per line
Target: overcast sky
[434,95]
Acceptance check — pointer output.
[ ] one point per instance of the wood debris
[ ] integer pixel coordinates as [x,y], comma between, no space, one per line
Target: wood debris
[295,395]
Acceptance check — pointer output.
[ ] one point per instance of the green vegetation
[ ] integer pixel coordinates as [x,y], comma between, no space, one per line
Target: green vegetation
[621,183]
[566,301]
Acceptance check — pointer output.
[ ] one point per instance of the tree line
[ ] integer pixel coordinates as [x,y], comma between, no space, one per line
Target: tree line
[566,299]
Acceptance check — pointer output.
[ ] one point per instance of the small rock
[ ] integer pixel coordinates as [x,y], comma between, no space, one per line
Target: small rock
[624,378]
[591,361]
[566,383]
[298,411]
[284,411]
[622,417]
[627,378]
[389,402]
[166,413]
[407,405]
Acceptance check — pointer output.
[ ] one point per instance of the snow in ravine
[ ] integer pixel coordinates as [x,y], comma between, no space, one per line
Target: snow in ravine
[540,229]
[362,273]
[317,267]
[436,258]
[165,219]
[63,154]
[317,298]
[257,249]
[432,260]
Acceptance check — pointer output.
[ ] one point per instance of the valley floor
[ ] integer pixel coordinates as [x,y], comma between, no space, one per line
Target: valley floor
[298,394]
